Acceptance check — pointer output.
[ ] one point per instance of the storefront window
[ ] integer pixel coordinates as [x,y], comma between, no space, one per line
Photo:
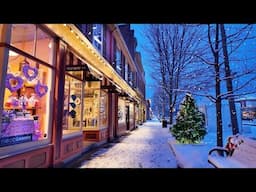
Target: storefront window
[137,114]
[97,31]
[91,105]
[103,109]
[126,70]
[26,106]
[118,61]
[121,111]
[32,40]
[72,105]
[27,101]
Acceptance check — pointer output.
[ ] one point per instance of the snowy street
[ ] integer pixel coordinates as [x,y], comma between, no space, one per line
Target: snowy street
[145,147]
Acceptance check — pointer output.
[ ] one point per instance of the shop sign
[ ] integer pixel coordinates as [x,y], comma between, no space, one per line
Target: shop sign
[5,141]
[77,68]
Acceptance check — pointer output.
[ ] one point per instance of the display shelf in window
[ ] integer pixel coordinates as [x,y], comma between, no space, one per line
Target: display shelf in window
[91,108]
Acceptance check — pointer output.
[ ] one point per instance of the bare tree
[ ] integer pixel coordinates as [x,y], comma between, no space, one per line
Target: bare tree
[186,60]
[232,107]
[172,48]
[223,72]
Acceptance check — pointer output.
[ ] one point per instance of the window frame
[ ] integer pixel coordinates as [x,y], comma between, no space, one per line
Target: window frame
[28,146]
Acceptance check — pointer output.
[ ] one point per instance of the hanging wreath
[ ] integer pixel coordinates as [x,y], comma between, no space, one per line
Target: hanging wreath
[13,83]
[29,72]
[41,89]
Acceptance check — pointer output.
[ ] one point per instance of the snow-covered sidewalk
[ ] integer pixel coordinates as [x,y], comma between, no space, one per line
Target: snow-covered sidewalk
[145,147]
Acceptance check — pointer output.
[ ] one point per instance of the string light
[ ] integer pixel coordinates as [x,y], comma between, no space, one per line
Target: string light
[90,49]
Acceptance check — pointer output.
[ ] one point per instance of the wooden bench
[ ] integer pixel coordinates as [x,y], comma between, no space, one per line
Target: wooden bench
[242,155]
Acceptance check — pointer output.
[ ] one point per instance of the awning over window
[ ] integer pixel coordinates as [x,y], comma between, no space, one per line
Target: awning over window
[95,72]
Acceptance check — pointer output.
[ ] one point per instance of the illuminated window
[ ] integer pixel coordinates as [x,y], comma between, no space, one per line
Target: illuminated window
[103,109]
[91,107]
[97,31]
[72,105]
[121,111]
[118,61]
[28,94]
[33,40]
[126,72]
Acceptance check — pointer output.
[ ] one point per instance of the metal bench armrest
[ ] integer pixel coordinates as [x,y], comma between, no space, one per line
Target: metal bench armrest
[218,149]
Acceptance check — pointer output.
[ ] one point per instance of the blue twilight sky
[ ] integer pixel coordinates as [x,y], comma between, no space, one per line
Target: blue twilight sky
[141,42]
[246,50]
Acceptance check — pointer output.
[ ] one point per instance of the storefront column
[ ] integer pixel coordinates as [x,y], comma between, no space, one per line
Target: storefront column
[59,99]
[5,37]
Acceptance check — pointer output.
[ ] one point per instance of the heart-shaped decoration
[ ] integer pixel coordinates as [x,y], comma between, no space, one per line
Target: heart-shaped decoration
[29,72]
[13,83]
[73,97]
[41,89]
[72,114]
[73,105]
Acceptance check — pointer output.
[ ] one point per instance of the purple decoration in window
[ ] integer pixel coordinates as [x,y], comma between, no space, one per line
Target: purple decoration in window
[41,89]
[29,72]
[13,83]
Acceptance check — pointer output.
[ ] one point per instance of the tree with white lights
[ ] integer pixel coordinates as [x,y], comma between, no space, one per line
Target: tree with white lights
[190,122]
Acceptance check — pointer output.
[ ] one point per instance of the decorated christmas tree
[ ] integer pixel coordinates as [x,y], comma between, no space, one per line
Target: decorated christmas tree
[190,122]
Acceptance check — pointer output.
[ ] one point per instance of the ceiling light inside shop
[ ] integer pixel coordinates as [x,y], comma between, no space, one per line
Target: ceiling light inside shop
[50,45]
[12,53]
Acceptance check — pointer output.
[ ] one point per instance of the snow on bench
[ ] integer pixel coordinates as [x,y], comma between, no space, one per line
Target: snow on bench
[190,155]
[240,152]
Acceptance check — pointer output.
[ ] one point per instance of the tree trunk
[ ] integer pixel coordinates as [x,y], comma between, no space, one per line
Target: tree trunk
[232,107]
[170,108]
[217,87]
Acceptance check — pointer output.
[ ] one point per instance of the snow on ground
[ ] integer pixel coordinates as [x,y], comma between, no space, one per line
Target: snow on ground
[196,155]
[145,147]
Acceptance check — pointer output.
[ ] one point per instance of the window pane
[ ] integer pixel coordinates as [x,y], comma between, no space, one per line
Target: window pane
[103,109]
[32,40]
[97,36]
[121,111]
[22,37]
[27,101]
[72,105]
[44,46]
[91,105]
[118,61]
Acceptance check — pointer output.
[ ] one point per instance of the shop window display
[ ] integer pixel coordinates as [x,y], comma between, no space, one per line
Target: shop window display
[72,105]
[27,93]
[121,111]
[103,109]
[91,105]
[26,102]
